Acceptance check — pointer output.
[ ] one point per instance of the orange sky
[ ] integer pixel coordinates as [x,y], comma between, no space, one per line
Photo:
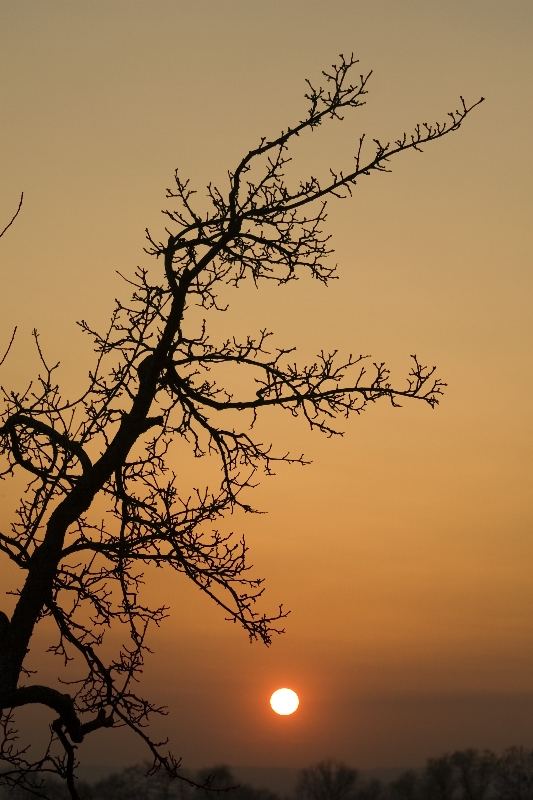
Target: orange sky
[405,550]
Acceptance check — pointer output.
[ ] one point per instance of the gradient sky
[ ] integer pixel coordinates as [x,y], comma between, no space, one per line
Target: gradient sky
[405,550]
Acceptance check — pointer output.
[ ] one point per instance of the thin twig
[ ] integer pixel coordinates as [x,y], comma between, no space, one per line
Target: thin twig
[15,215]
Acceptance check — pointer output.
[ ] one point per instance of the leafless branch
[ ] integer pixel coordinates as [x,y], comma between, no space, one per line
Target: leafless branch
[158,389]
[15,215]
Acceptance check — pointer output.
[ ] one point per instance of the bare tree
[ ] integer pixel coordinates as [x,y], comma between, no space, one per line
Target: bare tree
[372,789]
[327,780]
[405,787]
[158,380]
[440,780]
[514,775]
[476,771]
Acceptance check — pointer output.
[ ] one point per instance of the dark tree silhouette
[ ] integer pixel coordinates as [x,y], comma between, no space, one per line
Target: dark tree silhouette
[370,790]
[440,779]
[221,778]
[334,780]
[405,787]
[476,772]
[327,780]
[514,774]
[158,380]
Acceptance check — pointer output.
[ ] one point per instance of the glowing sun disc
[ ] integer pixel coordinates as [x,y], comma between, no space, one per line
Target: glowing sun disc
[284,701]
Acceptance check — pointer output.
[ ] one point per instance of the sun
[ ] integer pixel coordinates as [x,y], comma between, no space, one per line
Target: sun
[284,701]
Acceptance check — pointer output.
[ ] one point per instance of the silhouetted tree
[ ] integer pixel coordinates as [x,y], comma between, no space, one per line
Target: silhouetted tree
[221,778]
[406,786]
[52,787]
[475,772]
[333,780]
[134,783]
[514,775]
[131,783]
[160,378]
[439,780]
[369,790]
[327,780]
[138,782]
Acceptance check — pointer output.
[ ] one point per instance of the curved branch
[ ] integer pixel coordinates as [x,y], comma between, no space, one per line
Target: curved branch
[9,346]
[40,427]
[15,215]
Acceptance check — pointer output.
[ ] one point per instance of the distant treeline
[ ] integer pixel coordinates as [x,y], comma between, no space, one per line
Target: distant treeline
[462,775]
